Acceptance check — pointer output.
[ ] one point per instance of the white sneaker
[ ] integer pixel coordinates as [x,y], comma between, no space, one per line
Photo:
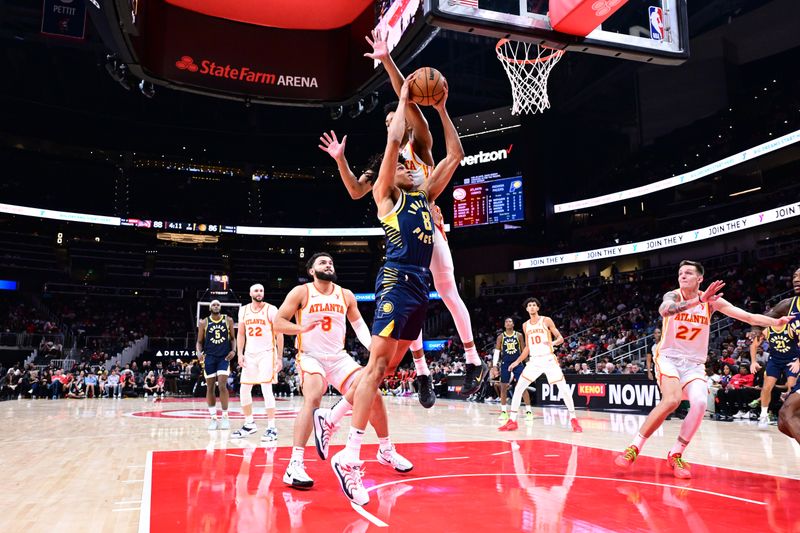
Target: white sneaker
[763,422]
[296,476]
[323,431]
[270,435]
[225,423]
[740,415]
[350,477]
[244,431]
[214,425]
[390,457]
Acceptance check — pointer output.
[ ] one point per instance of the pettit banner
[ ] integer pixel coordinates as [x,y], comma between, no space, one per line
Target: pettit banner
[605,392]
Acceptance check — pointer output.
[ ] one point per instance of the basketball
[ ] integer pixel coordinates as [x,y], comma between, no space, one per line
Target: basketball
[427,86]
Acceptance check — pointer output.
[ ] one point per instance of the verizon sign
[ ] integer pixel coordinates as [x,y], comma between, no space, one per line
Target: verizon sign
[486,157]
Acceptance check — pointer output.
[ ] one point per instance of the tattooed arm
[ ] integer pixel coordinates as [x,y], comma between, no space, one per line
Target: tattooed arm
[671,306]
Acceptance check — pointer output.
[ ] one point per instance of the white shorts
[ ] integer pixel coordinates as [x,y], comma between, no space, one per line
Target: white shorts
[681,369]
[548,366]
[259,368]
[335,369]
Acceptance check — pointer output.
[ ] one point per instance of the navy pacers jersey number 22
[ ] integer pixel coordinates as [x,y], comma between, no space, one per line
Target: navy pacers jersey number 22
[401,290]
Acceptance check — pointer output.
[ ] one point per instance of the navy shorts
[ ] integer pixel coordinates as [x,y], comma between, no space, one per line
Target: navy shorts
[215,366]
[796,387]
[777,367]
[401,294]
[505,373]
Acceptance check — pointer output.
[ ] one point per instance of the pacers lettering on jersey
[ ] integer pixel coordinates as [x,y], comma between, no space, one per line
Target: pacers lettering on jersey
[417,207]
[326,308]
[695,319]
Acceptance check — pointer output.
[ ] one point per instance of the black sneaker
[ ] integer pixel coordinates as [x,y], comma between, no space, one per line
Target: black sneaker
[474,378]
[427,397]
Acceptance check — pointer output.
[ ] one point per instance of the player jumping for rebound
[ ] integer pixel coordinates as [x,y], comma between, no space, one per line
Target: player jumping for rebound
[541,336]
[681,356]
[321,310]
[416,151]
[401,288]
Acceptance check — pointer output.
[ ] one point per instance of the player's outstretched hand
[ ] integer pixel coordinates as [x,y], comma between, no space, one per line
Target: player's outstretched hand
[782,321]
[331,145]
[754,367]
[712,294]
[794,366]
[380,49]
[439,106]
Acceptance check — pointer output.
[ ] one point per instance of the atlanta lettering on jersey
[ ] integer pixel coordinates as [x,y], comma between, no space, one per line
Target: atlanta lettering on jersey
[326,307]
[255,321]
[696,319]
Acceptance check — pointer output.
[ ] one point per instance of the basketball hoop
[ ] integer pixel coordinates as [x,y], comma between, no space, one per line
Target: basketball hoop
[528,66]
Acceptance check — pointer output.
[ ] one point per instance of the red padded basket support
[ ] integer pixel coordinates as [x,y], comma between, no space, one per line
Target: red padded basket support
[580,17]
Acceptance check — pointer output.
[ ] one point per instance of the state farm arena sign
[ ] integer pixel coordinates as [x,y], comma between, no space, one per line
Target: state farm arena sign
[615,392]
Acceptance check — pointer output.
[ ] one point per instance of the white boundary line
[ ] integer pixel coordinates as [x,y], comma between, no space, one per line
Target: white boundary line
[369,516]
[450,458]
[147,490]
[595,478]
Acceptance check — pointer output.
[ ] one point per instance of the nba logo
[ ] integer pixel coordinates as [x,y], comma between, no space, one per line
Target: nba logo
[656,23]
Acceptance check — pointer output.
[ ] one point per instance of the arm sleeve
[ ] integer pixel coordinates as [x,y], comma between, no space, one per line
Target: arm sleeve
[495,357]
[362,332]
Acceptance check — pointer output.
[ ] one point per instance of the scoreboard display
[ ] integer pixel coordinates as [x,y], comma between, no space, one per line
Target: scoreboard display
[488,199]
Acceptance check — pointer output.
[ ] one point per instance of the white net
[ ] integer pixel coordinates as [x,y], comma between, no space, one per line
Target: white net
[528,67]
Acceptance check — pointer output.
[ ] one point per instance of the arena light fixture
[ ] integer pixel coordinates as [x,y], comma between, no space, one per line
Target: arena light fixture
[337,112]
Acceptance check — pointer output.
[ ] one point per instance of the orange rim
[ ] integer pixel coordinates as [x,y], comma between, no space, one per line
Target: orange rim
[555,53]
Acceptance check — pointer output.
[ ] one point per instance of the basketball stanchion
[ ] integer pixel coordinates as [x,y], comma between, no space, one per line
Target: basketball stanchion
[528,67]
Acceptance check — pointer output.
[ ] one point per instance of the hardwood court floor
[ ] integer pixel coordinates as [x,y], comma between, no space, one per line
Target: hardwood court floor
[130,465]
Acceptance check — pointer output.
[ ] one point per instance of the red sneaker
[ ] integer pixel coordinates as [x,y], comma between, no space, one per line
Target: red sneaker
[576,426]
[680,468]
[626,459]
[509,426]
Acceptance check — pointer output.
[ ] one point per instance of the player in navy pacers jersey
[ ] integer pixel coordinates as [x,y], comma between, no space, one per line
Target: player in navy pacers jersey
[215,350]
[401,290]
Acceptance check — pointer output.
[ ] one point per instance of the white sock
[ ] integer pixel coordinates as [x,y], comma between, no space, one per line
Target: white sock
[678,447]
[297,453]
[528,409]
[639,441]
[271,423]
[513,416]
[213,412]
[224,413]
[339,411]
[764,411]
[249,420]
[384,443]
[471,355]
[421,365]
[353,446]
[504,408]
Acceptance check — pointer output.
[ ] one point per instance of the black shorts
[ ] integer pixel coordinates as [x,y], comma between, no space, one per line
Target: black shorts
[401,294]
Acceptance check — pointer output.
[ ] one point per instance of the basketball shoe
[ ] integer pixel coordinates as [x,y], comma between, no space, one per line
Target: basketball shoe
[503,416]
[427,397]
[224,423]
[270,435]
[244,431]
[576,426]
[528,416]
[474,377]
[323,431]
[214,425]
[509,426]
[296,477]
[626,459]
[349,475]
[680,468]
[390,457]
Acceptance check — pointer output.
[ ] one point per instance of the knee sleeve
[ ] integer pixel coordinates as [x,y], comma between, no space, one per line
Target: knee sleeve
[246,394]
[269,398]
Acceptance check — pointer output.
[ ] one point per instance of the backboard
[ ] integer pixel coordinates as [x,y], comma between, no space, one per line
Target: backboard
[642,30]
